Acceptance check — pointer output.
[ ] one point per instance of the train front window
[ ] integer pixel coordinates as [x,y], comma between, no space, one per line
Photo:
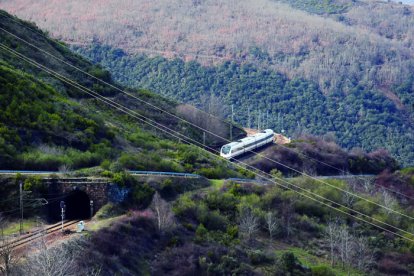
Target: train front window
[226,149]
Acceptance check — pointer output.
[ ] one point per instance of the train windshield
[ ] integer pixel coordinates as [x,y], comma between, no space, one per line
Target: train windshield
[226,149]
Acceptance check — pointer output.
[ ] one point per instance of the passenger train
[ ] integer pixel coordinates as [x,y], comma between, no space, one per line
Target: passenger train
[247,144]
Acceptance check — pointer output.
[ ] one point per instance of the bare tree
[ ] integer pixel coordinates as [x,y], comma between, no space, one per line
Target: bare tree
[55,261]
[353,182]
[204,120]
[8,259]
[332,237]
[249,223]
[346,245]
[348,197]
[368,185]
[388,201]
[363,256]
[163,213]
[213,105]
[288,213]
[348,249]
[272,223]
[65,169]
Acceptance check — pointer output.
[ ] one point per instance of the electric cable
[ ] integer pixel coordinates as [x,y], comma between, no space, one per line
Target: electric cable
[180,136]
[117,88]
[207,131]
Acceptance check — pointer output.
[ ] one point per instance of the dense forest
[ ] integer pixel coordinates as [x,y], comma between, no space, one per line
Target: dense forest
[47,124]
[319,66]
[360,118]
[208,225]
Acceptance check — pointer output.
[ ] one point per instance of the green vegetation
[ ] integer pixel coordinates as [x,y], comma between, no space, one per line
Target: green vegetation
[220,217]
[217,183]
[319,266]
[320,6]
[362,117]
[14,227]
[46,124]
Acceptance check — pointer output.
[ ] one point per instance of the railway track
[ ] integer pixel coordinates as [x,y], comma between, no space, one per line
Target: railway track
[26,239]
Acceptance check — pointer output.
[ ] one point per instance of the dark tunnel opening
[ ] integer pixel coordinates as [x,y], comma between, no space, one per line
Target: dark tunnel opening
[77,207]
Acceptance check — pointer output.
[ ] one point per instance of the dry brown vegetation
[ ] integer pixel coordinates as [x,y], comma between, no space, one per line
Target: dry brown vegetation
[371,42]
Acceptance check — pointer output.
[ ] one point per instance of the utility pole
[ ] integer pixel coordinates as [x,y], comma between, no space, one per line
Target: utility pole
[267,119]
[231,123]
[21,206]
[62,207]
[258,120]
[204,138]
[278,119]
[249,125]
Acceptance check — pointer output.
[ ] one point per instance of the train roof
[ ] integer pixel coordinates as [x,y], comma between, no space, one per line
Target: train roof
[251,138]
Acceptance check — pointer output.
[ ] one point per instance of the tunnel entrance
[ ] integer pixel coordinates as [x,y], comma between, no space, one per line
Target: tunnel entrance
[77,207]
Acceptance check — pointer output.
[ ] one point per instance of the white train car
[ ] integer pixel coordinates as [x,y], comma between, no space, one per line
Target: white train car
[247,144]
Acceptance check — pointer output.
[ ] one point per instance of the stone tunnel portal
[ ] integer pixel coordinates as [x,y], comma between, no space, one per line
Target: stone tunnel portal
[77,207]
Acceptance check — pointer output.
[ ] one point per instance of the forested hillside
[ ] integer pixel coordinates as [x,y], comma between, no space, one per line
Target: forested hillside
[325,66]
[360,118]
[47,124]
[189,226]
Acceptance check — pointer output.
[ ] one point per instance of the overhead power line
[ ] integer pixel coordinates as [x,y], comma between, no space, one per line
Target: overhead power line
[102,81]
[188,139]
[205,130]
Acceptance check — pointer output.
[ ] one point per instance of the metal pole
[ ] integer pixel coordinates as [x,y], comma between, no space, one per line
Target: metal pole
[91,203]
[267,119]
[21,206]
[248,117]
[204,138]
[62,208]
[231,123]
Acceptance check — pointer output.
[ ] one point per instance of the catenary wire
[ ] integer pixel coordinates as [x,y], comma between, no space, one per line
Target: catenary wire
[180,136]
[207,131]
[290,149]
[101,97]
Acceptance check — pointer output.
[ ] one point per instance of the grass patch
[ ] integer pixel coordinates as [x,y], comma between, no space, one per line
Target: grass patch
[311,261]
[96,225]
[14,227]
[217,183]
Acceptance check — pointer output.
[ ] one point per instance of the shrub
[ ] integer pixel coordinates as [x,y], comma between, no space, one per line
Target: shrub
[214,221]
[216,173]
[201,232]
[276,174]
[108,174]
[322,270]
[225,202]
[116,167]
[246,173]
[308,224]
[34,183]
[167,190]
[310,208]
[258,257]
[123,179]
[289,261]
[108,210]
[233,231]
[105,164]
[185,207]
[142,195]
[366,207]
